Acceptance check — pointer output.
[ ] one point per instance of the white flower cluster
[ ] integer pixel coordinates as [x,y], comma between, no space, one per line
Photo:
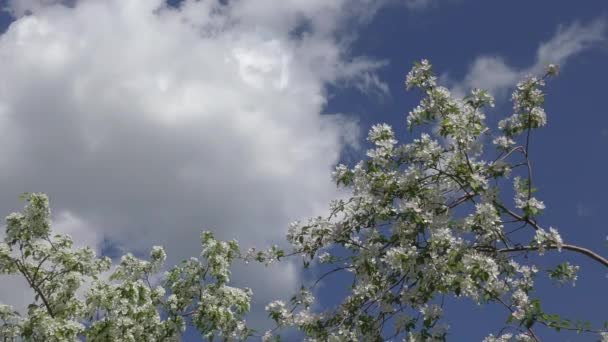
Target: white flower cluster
[528,99]
[73,302]
[550,239]
[523,199]
[383,138]
[521,303]
[486,223]
[278,311]
[565,272]
[400,258]
[503,142]
[267,257]
[420,76]
[508,338]
[424,220]
[552,70]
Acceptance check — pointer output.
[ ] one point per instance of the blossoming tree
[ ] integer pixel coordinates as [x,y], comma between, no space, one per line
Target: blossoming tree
[424,220]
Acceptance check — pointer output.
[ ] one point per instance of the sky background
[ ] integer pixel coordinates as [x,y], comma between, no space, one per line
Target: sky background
[146,123]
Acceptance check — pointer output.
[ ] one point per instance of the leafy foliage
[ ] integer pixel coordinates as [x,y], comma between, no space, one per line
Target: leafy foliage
[425,220]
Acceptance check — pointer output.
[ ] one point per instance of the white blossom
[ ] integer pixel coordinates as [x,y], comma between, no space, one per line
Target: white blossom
[417,222]
[544,239]
[501,338]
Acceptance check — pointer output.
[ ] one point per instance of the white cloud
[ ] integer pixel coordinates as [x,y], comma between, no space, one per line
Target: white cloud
[494,74]
[150,123]
[490,73]
[570,40]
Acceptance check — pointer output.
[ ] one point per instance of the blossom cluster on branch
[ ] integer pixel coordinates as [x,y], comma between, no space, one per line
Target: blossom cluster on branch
[75,298]
[430,219]
[424,220]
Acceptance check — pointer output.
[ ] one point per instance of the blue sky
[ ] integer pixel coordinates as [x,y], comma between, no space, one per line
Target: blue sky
[568,155]
[143,131]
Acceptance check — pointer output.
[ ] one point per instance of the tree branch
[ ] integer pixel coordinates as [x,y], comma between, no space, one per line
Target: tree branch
[569,247]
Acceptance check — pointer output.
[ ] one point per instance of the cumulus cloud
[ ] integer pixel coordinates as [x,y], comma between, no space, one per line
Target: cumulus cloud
[146,123]
[496,75]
